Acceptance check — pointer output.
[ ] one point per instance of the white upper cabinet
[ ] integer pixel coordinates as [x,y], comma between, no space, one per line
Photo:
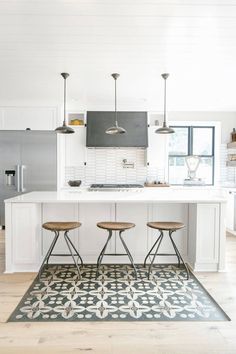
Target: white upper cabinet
[75,147]
[35,118]
[157,151]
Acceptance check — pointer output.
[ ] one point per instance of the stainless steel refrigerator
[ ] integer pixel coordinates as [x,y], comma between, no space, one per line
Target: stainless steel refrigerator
[28,162]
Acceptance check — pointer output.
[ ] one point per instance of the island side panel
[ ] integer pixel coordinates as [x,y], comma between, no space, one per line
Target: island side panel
[23,237]
[207,236]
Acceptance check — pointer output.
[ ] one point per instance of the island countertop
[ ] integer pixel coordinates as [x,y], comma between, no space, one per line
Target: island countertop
[145,195]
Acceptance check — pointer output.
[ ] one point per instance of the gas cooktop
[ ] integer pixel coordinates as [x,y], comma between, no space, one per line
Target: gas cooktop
[114,186]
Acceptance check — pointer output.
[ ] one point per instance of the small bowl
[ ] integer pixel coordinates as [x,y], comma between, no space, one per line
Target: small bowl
[75,183]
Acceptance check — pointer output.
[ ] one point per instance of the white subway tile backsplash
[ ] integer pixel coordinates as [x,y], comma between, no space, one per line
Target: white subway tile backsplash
[106,166]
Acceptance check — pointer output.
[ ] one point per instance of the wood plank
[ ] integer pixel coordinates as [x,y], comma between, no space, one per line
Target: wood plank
[115,337]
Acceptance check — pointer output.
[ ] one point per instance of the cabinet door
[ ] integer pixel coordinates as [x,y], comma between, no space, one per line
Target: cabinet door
[91,238]
[26,236]
[75,147]
[169,212]
[230,210]
[157,151]
[35,118]
[135,238]
[207,238]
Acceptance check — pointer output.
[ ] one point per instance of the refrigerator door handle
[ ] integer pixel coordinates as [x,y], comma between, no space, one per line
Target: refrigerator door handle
[18,178]
[22,188]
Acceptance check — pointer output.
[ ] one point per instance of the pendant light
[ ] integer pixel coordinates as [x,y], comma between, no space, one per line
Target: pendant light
[64,129]
[115,130]
[165,129]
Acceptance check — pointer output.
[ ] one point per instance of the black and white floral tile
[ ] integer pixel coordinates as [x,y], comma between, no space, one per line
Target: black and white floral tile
[116,296]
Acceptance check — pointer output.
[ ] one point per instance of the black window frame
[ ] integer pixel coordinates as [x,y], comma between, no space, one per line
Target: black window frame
[190,148]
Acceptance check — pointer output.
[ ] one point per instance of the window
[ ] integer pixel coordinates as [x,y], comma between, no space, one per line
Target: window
[191,140]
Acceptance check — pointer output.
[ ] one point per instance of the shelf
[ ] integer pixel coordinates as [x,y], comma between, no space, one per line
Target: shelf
[75,126]
[231,163]
[76,116]
[231,145]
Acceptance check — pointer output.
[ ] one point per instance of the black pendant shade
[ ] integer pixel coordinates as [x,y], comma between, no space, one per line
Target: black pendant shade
[165,129]
[64,129]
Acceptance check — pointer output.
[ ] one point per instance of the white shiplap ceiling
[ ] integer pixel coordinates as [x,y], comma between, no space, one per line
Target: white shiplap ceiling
[195,41]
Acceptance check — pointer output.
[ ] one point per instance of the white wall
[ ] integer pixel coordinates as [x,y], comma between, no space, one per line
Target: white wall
[227,119]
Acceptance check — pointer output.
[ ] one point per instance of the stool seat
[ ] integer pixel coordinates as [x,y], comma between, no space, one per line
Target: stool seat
[166,225]
[119,226]
[61,226]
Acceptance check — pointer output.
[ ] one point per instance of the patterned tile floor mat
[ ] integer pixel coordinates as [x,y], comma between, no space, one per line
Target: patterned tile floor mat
[116,296]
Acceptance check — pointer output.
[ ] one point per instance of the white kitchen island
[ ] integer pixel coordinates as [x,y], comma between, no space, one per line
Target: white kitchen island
[202,242]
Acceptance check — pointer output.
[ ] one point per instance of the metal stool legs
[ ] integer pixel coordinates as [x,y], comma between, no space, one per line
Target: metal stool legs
[158,243]
[70,246]
[49,252]
[102,253]
[150,252]
[155,254]
[100,257]
[129,255]
[178,254]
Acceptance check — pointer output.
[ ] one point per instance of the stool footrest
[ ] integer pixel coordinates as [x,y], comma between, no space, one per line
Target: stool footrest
[115,254]
[63,254]
[162,254]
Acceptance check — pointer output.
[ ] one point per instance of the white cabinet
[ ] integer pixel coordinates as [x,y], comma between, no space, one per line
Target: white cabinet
[169,212]
[135,238]
[91,238]
[75,147]
[157,151]
[230,218]
[35,118]
[23,245]
[205,235]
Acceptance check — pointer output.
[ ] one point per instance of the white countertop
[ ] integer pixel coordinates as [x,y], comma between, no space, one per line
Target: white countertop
[150,195]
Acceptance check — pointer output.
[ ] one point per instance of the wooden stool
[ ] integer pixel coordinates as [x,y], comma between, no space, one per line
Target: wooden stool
[56,227]
[170,227]
[110,227]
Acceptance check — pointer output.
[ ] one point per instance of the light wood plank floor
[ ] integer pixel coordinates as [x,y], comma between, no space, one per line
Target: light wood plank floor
[119,338]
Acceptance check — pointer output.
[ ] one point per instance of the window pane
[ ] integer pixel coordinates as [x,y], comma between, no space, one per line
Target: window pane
[202,141]
[177,170]
[205,170]
[178,142]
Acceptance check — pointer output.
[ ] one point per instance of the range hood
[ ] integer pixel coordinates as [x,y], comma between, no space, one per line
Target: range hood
[135,124]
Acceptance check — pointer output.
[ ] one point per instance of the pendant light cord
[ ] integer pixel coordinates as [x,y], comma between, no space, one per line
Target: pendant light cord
[116,122]
[164,122]
[64,122]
